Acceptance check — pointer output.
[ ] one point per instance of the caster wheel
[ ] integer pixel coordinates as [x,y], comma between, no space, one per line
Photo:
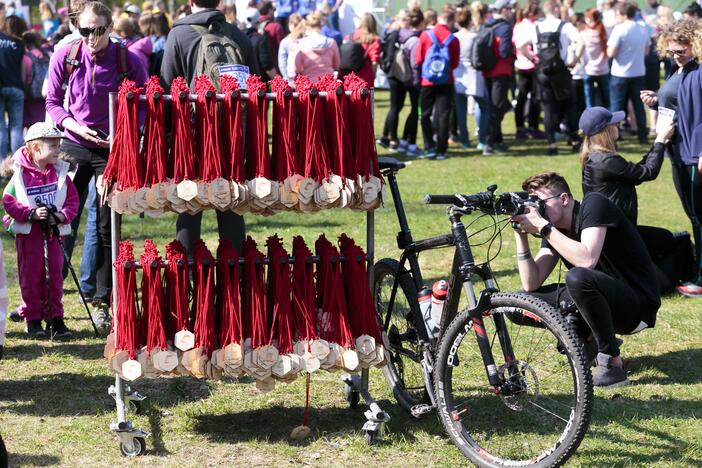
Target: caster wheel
[352,397]
[138,448]
[135,407]
[372,437]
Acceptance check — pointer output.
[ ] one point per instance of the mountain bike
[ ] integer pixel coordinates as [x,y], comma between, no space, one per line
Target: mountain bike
[508,374]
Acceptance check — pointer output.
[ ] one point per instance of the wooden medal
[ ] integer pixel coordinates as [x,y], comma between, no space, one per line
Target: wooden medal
[148,370]
[131,370]
[184,340]
[311,363]
[187,190]
[282,367]
[319,349]
[165,361]
[232,356]
[118,359]
[295,363]
[220,194]
[109,351]
[265,385]
[350,360]
[365,345]
[306,190]
[380,360]
[267,357]
[216,359]
[331,360]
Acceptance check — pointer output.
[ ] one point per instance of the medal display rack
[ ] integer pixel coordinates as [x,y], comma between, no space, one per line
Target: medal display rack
[132,440]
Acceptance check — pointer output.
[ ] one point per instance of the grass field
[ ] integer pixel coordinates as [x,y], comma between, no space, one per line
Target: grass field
[55,410]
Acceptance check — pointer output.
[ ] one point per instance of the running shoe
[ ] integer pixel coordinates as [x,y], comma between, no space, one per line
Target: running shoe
[60,330]
[606,375]
[690,289]
[101,317]
[35,330]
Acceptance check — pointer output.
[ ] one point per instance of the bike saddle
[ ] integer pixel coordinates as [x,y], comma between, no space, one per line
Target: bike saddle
[390,163]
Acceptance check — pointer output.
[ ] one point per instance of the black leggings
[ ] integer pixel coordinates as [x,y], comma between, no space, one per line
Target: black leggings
[688,183]
[92,162]
[230,225]
[607,305]
[398,91]
[526,95]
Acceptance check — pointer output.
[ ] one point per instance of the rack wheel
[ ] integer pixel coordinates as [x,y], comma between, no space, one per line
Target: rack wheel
[372,437]
[137,449]
[352,396]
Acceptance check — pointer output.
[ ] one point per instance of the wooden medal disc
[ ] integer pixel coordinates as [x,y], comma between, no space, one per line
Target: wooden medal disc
[294,182]
[158,192]
[267,356]
[153,213]
[332,358]
[109,351]
[188,357]
[203,193]
[288,198]
[187,190]
[311,363]
[248,365]
[282,367]
[220,193]
[199,364]
[380,360]
[350,360]
[306,190]
[233,193]
[118,359]
[131,370]
[232,355]
[233,372]
[193,206]
[365,345]
[184,340]
[319,349]
[295,363]
[213,372]
[216,359]
[265,385]
[165,361]
[259,187]
[300,347]
[172,194]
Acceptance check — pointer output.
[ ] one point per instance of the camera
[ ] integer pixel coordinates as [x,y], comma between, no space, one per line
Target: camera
[516,203]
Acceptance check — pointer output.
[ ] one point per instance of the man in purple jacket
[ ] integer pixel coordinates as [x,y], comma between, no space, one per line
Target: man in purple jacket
[95,74]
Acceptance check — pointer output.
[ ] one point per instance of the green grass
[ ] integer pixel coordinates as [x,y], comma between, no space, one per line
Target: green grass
[55,410]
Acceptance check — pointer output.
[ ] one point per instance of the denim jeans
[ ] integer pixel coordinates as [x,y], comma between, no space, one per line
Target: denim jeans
[88,262]
[596,96]
[482,117]
[12,104]
[462,118]
[623,89]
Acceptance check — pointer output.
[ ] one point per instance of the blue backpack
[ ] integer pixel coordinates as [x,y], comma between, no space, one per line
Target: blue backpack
[436,67]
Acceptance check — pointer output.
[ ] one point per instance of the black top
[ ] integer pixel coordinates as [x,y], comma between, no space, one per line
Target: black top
[668,97]
[11,53]
[624,255]
[182,44]
[617,178]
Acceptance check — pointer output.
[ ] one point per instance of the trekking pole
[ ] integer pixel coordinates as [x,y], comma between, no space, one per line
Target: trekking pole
[47,270]
[67,259]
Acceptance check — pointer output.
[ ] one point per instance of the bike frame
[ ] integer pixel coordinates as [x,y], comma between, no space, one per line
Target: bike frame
[462,270]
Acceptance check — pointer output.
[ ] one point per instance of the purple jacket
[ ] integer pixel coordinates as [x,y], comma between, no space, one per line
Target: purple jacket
[142,47]
[88,87]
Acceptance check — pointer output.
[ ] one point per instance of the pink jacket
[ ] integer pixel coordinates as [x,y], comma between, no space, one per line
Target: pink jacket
[316,55]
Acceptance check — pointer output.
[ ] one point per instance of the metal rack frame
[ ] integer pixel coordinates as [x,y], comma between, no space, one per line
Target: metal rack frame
[132,441]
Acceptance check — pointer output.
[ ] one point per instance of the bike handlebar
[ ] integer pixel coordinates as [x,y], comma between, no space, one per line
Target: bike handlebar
[475,200]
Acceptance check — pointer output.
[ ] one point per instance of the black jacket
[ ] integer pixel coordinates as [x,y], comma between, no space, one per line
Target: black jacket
[262,51]
[182,44]
[616,178]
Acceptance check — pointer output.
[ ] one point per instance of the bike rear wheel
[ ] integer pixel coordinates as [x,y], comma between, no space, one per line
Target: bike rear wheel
[403,350]
[544,413]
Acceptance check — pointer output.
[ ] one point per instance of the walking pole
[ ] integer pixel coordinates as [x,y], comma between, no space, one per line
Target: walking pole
[47,271]
[67,259]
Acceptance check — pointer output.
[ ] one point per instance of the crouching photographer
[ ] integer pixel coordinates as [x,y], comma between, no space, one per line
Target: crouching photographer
[610,275]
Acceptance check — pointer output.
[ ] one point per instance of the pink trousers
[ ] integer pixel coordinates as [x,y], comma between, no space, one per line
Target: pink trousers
[32,275]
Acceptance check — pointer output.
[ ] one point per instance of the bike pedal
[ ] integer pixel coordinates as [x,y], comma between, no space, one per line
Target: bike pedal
[420,410]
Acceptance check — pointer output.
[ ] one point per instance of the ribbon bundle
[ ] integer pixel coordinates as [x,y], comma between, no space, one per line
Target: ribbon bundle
[265,317]
[323,153]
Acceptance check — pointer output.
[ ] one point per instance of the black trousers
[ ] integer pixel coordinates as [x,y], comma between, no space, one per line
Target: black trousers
[436,101]
[688,184]
[606,304]
[497,89]
[554,112]
[231,226]
[398,93]
[527,107]
[92,162]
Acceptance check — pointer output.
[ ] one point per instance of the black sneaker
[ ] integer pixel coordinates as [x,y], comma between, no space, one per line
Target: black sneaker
[384,142]
[552,151]
[35,330]
[60,330]
[15,316]
[500,148]
[606,375]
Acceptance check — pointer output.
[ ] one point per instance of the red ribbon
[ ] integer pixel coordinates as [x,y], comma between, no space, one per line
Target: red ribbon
[207,129]
[232,136]
[330,294]
[303,293]
[124,167]
[152,297]
[360,118]
[280,289]
[204,298]
[361,307]
[228,284]
[312,147]
[255,309]
[178,287]
[337,135]
[155,150]
[182,147]
[126,310]
[284,131]
[258,162]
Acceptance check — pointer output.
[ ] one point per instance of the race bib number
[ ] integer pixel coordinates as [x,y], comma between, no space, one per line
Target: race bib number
[44,194]
[240,72]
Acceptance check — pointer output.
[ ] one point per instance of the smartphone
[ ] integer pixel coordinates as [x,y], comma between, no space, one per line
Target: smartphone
[102,135]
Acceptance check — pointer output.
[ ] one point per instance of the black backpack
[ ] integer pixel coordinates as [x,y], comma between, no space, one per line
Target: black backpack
[352,57]
[549,46]
[391,44]
[482,55]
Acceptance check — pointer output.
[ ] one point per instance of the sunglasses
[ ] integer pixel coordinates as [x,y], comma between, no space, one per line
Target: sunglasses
[96,32]
[678,52]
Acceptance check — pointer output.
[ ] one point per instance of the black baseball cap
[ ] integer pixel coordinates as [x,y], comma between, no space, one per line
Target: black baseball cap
[596,119]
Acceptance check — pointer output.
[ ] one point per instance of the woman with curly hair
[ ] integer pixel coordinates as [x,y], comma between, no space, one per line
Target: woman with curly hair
[681,93]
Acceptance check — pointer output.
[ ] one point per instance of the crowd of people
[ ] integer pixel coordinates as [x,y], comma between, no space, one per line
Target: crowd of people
[542,61]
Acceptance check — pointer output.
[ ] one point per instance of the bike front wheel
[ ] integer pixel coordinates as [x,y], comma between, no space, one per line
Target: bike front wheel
[541,413]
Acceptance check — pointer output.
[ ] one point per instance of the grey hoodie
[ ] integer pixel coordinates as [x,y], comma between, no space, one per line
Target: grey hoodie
[181,46]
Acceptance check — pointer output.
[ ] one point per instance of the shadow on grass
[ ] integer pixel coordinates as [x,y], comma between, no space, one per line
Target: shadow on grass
[20,459]
[29,351]
[676,365]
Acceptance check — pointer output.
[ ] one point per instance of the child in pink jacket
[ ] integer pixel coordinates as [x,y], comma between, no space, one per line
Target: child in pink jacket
[39,186]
